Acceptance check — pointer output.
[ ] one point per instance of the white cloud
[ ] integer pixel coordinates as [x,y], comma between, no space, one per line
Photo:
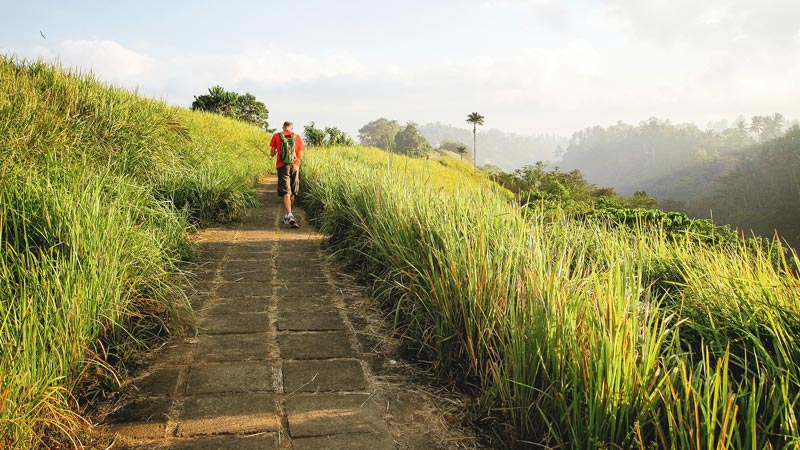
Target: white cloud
[108,60]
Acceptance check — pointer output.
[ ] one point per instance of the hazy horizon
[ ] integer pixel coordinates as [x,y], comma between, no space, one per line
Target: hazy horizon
[530,67]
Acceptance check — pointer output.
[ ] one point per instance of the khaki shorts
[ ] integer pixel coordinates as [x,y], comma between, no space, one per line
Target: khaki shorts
[288,179]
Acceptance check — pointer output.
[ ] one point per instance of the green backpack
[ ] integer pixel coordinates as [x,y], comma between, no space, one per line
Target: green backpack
[287,149]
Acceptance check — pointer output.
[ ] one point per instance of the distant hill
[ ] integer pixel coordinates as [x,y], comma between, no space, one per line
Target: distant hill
[510,151]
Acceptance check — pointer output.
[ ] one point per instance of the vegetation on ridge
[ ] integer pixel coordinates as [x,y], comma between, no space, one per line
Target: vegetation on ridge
[574,334]
[99,187]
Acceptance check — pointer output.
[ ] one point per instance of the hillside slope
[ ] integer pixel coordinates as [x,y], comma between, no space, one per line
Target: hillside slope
[99,187]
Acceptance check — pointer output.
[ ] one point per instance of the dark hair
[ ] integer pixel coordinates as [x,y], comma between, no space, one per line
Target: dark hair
[287,124]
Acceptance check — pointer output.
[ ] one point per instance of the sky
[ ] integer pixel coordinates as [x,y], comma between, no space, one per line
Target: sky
[529,66]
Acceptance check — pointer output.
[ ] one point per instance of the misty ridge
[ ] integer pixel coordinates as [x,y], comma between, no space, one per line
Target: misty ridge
[745,173]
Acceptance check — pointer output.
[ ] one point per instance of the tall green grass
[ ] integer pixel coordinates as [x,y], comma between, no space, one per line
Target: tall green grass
[97,190]
[574,333]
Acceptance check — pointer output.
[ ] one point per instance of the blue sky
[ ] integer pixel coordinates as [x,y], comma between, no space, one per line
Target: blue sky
[530,67]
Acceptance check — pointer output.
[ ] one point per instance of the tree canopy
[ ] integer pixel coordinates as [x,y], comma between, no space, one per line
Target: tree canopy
[410,142]
[380,133]
[230,104]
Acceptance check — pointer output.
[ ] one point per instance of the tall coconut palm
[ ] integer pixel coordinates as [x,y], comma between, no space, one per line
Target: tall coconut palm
[475,119]
[462,150]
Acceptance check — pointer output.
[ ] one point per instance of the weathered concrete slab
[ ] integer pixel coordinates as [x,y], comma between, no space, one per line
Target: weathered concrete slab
[142,419]
[317,305]
[232,347]
[242,266]
[261,442]
[177,353]
[228,414]
[304,289]
[237,305]
[235,323]
[294,262]
[300,276]
[246,276]
[214,250]
[362,441]
[229,377]
[241,289]
[315,345]
[161,381]
[329,414]
[323,375]
[305,321]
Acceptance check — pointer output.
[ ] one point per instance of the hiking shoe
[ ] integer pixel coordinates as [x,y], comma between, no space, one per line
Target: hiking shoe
[286,220]
[293,222]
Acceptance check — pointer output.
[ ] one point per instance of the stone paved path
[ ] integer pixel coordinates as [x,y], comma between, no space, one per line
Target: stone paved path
[272,365]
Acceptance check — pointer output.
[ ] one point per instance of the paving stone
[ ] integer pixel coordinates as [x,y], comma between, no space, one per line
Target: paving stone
[237,305]
[269,442]
[177,353]
[360,441]
[305,321]
[305,289]
[232,347]
[214,250]
[323,375]
[244,289]
[315,345]
[328,414]
[255,235]
[159,382]
[143,418]
[203,274]
[229,377]
[228,414]
[235,323]
[318,305]
[253,275]
[201,287]
[290,261]
[300,276]
[241,266]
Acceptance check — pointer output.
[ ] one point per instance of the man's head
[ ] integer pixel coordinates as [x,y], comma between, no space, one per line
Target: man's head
[287,126]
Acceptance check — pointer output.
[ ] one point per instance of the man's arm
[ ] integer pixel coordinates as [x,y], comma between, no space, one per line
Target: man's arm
[300,148]
[273,150]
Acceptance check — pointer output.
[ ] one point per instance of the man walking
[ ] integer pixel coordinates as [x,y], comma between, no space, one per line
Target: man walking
[289,149]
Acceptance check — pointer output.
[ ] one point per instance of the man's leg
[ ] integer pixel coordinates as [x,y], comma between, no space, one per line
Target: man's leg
[287,203]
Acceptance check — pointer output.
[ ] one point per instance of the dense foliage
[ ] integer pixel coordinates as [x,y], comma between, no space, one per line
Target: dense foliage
[632,158]
[574,334]
[329,137]
[99,187]
[762,192]
[391,136]
[236,106]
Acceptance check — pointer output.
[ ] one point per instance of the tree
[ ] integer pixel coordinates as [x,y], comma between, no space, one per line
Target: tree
[411,142]
[475,119]
[218,101]
[336,137]
[230,104]
[314,136]
[455,147]
[461,150]
[252,111]
[380,133]
[756,125]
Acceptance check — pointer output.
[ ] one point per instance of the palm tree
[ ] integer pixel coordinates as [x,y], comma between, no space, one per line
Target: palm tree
[756,125]
[475,119]
[462,150]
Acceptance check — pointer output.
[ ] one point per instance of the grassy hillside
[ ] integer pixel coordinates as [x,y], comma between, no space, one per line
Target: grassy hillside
[99,187]
[574,334]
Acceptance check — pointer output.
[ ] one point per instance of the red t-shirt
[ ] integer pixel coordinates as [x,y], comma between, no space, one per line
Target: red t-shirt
[275,143]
